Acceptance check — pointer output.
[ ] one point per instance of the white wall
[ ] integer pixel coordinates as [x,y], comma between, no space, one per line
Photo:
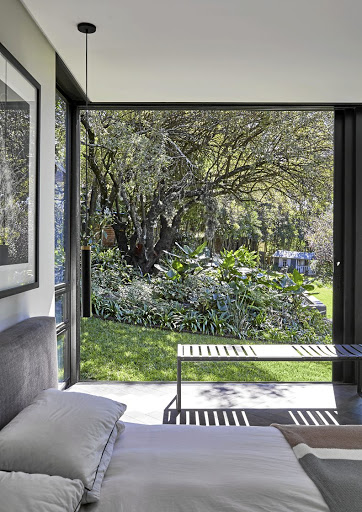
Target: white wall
[21,37]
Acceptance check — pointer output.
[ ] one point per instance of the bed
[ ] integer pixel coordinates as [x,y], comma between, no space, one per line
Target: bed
[165,468]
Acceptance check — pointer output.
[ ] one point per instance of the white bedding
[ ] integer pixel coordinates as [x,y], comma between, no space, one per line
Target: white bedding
[171,468]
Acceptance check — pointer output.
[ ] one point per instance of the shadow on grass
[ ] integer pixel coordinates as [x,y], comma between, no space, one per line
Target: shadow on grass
[115,351]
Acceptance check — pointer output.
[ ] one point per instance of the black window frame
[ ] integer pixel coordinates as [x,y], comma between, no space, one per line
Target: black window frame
[347,283]
[63,289]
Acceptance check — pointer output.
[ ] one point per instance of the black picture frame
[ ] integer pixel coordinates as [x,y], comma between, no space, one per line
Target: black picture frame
[18,276]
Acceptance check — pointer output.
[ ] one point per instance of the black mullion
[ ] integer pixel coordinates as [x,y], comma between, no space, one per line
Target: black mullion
[63,289]
[338,241]
[349,225]
[67,296]
[74,243]
[358,231]
[347,301]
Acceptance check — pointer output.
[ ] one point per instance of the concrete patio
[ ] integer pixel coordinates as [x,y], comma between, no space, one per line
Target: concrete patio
[233,403]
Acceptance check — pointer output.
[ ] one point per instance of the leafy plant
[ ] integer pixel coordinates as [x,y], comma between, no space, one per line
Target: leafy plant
[188,262]
[232,264]
[247,303]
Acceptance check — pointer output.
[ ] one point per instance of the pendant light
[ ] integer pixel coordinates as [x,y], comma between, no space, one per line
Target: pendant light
[86,28]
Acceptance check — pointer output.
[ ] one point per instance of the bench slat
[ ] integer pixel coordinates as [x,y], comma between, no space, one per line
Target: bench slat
[316,351]
[324,350]
[222,351]
[240,351]
[269,352]
[305,350]
[331,349]
[275,352]
[231,351]
[342,350]
[213,351]
[354,349]
[204,351]
[187,350]
[248,349]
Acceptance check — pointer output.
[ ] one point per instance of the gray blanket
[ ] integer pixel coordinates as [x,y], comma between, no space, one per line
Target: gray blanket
[332,457]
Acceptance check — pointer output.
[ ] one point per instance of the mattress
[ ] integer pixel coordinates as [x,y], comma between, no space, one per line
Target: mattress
[178,468]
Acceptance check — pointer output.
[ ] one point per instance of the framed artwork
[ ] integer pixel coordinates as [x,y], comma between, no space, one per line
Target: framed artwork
[19,177]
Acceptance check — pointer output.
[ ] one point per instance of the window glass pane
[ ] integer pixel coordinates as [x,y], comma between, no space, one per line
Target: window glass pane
[61,344]
[61,185]
[60,309]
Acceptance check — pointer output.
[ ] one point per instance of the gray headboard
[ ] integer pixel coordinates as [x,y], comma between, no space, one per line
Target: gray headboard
[28,364]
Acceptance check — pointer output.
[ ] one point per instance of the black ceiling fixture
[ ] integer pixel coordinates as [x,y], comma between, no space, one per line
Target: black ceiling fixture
[86,28]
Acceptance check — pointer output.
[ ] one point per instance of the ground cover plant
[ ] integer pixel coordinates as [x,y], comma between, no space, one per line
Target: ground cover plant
[115,351]
[226,296]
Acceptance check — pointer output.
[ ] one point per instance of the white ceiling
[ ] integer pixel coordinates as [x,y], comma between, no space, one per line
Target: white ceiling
[210,50]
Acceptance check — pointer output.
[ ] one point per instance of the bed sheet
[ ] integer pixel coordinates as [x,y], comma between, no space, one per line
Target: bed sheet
[172,468]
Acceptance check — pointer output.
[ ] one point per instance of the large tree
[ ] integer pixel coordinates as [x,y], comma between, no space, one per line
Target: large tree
[152,168]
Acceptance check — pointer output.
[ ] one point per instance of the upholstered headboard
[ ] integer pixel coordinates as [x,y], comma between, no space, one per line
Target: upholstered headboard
[28,364]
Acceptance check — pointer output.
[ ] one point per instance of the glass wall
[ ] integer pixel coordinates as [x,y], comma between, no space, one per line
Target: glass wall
[61,211]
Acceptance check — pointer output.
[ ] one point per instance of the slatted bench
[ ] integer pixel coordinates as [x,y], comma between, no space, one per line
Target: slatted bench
[266,353]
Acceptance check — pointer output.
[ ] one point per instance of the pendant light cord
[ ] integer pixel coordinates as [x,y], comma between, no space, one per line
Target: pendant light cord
[86,134]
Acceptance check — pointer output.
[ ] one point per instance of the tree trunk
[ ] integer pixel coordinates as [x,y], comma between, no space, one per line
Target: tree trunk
[122,241]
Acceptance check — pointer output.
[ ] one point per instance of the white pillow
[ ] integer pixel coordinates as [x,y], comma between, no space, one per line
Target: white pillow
[20,492]
[65,434]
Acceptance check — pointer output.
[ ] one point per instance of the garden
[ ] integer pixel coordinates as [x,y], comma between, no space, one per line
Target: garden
[183,211]
[228,296]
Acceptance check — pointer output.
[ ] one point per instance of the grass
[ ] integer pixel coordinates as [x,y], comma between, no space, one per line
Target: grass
[115,351]
[325,295]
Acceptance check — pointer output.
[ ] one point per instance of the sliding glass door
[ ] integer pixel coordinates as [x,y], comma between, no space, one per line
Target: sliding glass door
[62,241]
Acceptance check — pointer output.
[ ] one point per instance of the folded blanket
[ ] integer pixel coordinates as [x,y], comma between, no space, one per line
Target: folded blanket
[332,457]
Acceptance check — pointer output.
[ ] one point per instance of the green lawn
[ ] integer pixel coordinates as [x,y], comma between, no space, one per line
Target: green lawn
[325,295]
[115,351]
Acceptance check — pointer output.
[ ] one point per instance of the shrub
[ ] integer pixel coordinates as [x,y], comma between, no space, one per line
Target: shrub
[224,297]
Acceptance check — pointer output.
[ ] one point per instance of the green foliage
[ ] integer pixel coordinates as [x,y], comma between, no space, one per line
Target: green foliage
[220,297]
[232,262]
[109,268]
[242,177]
[188,262]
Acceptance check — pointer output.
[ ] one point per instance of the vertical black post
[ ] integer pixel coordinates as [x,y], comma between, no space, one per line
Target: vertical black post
[86,282]
[358,231]
[347,297]
[178,392]
[338,232]
[74,244]
[359,377]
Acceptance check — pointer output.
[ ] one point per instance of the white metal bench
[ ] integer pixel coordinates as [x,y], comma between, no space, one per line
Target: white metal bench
[265,353]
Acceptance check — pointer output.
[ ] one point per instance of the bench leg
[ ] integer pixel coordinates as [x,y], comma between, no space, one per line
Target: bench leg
[359,377]
[178,396]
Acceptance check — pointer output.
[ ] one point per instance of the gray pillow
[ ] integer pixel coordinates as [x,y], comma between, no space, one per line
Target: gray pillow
[65,434]
[39,493]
